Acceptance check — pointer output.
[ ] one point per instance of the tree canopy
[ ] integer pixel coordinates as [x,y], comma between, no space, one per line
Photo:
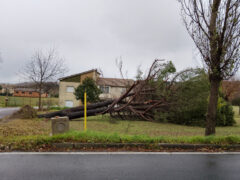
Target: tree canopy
[42,68]
[91,88]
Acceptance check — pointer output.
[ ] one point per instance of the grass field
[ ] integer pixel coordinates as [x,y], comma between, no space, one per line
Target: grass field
[105,125]
[21,101]
[152,129]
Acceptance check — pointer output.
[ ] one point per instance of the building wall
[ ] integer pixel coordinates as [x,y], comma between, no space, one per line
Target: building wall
[70,97]
[28,94]
[90,75]
[114,92]
[67,96]
[10,90]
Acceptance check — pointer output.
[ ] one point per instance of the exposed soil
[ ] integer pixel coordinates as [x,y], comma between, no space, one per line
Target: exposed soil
[26,112]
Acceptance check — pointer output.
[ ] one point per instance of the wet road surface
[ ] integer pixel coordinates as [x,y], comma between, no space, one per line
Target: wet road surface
[7,111]
[119,166]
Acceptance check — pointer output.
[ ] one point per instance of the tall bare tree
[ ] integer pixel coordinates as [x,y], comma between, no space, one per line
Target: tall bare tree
[42,68]
[214,26]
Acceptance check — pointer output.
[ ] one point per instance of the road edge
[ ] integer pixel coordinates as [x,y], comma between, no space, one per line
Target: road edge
[140,147]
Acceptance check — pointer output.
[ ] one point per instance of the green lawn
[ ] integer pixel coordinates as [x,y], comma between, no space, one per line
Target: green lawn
[21,101]
[101,124]
[34,134]
[153,129]
[104,124]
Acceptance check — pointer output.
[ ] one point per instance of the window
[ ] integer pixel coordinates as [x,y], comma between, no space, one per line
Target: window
[123,90]
[23,92]
[69,103]
[17,92]
[70,89]
[30,92]
[104,89]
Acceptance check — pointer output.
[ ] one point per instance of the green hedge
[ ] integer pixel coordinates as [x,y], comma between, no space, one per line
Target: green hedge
[225,114]
[196,116]
[191,102]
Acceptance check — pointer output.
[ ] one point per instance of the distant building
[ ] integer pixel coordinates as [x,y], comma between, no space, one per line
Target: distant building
[231,89]
[111,87]
[7,89]
[28,92]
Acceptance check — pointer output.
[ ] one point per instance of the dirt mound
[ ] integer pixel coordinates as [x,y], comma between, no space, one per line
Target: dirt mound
[26,112]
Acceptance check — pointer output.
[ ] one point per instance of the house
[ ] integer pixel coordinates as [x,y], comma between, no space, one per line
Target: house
[113,88]
[28,92]
[110,87]
[7,89]
[51,88]
[231,89]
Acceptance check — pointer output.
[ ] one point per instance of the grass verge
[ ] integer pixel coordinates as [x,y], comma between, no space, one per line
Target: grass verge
[34,142]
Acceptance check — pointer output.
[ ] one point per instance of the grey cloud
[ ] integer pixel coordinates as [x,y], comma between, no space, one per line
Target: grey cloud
[93,33]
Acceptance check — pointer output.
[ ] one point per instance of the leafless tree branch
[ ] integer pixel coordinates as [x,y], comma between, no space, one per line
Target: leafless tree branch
[44,67]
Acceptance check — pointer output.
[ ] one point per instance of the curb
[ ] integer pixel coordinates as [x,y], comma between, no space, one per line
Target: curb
[145,145]
[127,146]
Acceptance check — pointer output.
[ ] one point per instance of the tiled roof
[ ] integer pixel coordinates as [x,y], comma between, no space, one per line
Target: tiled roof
[27,89]
[114,82]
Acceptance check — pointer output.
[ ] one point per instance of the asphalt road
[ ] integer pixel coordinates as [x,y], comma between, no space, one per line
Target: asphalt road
[7,111]
[119,166]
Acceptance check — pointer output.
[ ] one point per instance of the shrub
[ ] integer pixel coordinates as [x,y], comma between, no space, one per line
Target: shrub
[225,114]
[190,104]
[91,88]
[196,116]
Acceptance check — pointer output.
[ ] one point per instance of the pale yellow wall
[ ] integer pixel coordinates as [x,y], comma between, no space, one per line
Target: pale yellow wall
[10,90]
[91,75]
[67,96]
[114,92]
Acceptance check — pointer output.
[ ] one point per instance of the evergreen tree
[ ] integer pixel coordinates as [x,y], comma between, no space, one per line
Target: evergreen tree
[91,88]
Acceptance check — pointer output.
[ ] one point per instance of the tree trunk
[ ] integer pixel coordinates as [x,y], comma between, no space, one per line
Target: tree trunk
[91,112]
[212,107]
[76,109]
[214,78]
[40,98]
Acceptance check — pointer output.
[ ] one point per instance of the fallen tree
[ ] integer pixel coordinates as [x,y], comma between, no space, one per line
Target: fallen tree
[140,100]
[68,112]
[91,112]
[163,95]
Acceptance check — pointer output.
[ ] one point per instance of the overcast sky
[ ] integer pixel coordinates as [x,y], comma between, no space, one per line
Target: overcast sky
[93,33]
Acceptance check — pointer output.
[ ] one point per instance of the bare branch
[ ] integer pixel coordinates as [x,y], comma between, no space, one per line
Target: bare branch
[44,67]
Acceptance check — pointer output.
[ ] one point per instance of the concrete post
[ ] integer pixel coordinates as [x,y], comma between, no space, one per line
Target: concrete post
[60,125]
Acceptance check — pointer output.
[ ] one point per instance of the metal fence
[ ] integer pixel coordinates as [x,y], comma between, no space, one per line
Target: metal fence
[21,101]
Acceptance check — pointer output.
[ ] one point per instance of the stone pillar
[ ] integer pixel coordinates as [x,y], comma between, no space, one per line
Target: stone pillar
[60,125]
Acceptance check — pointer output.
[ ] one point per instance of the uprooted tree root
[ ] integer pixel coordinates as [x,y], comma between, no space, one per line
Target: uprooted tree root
[26,112]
